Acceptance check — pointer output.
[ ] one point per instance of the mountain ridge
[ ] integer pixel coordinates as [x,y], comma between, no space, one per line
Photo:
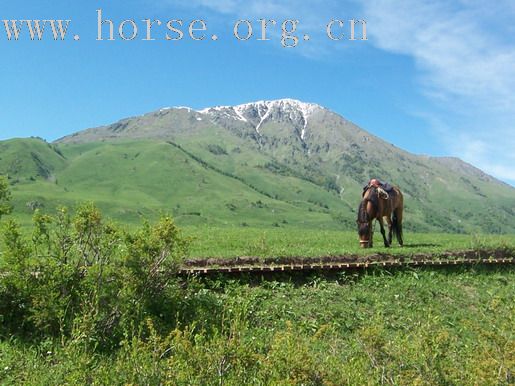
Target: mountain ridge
[239,111]
[291,157]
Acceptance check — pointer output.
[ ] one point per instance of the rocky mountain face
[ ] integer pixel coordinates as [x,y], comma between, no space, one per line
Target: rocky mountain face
[292,132]
[302,158]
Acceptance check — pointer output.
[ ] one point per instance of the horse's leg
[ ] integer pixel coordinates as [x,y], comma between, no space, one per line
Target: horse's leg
[390,230]
[397,217]
[371,237]
[397,224]
[386,244]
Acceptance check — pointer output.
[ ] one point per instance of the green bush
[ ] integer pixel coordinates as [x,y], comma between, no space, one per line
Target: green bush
[82,278]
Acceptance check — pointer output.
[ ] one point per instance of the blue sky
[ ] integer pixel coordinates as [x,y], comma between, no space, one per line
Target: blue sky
[435,77]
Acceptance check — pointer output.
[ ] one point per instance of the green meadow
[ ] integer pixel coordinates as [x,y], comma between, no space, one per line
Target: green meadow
[233,242]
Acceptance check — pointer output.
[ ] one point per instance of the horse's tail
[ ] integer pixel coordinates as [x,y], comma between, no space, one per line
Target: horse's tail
[397,225]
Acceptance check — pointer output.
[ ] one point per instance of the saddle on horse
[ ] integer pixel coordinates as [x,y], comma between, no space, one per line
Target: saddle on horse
[384,188]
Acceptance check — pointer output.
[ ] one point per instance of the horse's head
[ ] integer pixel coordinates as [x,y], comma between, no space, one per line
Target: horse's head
[364,234]
[364,223]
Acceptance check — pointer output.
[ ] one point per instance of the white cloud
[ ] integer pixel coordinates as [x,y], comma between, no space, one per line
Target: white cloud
[464,52]
[290,8]
[459,49]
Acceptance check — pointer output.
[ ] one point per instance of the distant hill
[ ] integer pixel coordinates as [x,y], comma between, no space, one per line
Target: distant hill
[271,163]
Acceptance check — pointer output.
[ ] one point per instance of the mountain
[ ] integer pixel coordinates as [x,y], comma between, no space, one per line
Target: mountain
[268,163]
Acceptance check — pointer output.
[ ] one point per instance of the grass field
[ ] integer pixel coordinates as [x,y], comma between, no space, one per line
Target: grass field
[232,242]
[227,242]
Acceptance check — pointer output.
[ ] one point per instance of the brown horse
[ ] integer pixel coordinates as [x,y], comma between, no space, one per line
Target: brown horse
[376,204]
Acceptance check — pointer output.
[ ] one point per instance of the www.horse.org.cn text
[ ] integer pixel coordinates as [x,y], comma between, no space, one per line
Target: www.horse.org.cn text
[288,32]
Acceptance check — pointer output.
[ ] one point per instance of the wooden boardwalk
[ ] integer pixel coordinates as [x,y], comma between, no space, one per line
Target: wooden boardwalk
[334,266]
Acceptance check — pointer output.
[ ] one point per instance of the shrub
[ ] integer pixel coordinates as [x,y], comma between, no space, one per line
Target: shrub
[83,278]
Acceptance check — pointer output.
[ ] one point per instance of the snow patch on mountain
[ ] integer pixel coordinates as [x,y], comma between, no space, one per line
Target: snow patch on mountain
[257,113]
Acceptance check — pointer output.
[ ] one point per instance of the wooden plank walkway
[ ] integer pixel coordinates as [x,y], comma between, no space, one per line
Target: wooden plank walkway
[339,266]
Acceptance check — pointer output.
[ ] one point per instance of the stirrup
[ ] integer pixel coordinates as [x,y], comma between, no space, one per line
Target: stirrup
[383,193]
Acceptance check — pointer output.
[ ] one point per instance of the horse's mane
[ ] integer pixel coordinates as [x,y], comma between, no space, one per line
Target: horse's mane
[373,198]
[362,211]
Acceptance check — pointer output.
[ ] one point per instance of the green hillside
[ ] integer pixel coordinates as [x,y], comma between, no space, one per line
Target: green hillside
[30,158]
[268,164]
[133,179]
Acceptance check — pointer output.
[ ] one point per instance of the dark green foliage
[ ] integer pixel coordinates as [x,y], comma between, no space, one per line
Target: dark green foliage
[216,149]
[331,185]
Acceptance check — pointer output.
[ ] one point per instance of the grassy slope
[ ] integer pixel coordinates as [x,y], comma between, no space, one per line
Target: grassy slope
[443,202]
[238,186]
[25,158]
[129,180]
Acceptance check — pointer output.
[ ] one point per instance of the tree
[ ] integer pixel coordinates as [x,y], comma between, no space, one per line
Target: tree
[5,197]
